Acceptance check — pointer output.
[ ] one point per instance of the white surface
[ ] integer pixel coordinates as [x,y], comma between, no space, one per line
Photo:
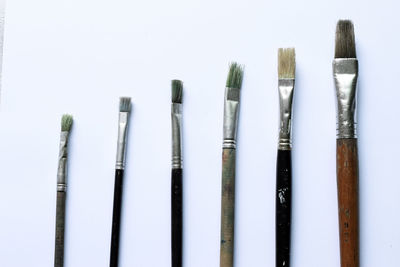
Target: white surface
[2,7]
[79,56]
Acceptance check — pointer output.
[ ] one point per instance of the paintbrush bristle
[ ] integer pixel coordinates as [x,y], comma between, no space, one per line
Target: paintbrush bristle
[235,76]
[345,46]
[177,89]
[66,122]
[286,63]
[125,104]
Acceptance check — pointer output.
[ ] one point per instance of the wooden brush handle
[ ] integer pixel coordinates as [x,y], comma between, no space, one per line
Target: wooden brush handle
[227,207]
[176,217]
[283,207]
[347,183]
[116,220]
[60,230]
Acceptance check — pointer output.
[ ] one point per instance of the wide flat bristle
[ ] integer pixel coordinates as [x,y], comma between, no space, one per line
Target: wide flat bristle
[286,63]
[125,104]
[345,46]
[177,89]
[235,76]
[66,122]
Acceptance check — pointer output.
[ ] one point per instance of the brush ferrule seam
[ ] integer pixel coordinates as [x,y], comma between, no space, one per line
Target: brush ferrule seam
[122,140]
[176,120]
[61,188]
[231,116]
[286,91]
[345,73]
[62,162]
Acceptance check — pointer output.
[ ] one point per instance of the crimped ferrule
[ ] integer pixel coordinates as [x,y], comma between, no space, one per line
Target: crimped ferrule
[122,137]
[231,116]
[345,73]
[286,91]
[62,162]
[176,118]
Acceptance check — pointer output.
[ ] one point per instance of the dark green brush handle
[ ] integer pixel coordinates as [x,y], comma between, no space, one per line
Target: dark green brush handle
[60,229]
[176,217]
[283,207]
[228,207]
[116,221]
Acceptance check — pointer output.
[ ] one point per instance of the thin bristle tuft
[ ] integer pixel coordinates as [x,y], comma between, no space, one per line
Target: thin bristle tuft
[177,90]
[286,63]
[125,104]
[235,76]
[345,46]
[66,122]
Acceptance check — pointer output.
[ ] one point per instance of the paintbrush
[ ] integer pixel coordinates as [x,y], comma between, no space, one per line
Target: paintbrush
[176,174]
[345,73]
[66,124]
[231,115]
[124,112]
[286,73]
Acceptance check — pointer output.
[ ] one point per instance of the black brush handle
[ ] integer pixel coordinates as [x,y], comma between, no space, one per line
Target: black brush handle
[283,207]
[60,229]
[116,221]
[176,217]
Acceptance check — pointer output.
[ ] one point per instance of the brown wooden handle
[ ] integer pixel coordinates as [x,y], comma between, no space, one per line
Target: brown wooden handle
[228,207]
[347,183]
[60,229]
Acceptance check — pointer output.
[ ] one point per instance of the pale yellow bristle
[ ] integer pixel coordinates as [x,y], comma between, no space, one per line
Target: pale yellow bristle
[286,63]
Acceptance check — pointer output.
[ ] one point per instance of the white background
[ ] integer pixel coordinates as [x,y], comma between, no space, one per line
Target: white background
[79,56]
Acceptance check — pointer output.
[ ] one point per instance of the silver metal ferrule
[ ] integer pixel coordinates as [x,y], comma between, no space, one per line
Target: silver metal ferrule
[286,90]
[62,163]
[231,115]
[122,137]
[176,118]
[345,73]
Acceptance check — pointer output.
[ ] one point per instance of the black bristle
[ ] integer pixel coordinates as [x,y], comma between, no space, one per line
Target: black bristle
[345,46]
[235,76]
[177,90]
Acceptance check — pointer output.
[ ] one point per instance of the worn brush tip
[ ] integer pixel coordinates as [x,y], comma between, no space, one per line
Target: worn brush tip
[286,63]
[177,89]
[125,104]
[66,122]
[345,46]
[235,76]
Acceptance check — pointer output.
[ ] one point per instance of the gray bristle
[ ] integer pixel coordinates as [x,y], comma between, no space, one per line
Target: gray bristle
[177,90]
[286,63]
[235,76]
[125,104]
[66,123]
[345,46]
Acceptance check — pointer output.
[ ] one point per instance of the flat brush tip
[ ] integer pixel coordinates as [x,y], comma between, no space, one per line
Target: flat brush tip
[66,122]
[125,104]
[345,45]
[235,76]
[177,90]
[286,63]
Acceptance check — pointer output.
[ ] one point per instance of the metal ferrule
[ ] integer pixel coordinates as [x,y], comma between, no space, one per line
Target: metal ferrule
[231,114]
[345,73]
[176,118]
[62,163]
[122,137]
[286,90]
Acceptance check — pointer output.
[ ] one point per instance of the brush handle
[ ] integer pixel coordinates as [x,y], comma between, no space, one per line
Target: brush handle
[60,230]
[347,183]
[116,220]
[283,207]
[228,207]
[176,217]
